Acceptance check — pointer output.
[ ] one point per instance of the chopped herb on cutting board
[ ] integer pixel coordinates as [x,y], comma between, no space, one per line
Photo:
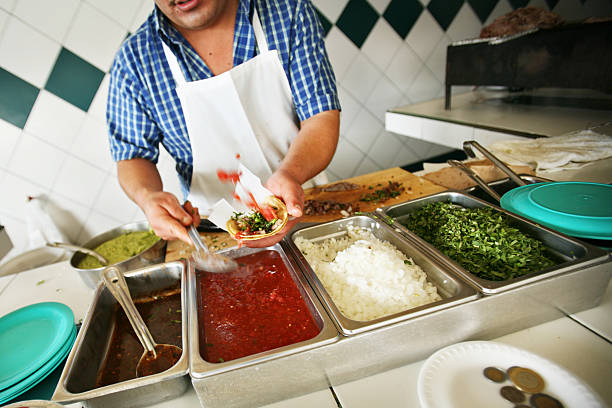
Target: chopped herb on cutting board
[482,240]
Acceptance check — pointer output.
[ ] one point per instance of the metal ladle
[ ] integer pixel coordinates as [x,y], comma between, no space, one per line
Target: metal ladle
[77,248]
[206,260]
[156,358]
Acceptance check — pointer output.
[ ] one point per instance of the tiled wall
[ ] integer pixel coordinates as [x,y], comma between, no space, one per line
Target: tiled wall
[55,56]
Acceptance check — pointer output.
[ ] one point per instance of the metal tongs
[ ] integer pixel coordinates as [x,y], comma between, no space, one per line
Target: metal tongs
[206,260]
[468,148]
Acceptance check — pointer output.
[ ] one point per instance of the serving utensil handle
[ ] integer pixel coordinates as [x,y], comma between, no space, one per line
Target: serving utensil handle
[474,176]
[469,144]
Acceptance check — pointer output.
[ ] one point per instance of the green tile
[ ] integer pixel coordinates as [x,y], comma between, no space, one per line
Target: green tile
[357,20]
[327,25]
[518,3]
[16,99]
[444,11]
[402,15]
[483,8]
[74,80]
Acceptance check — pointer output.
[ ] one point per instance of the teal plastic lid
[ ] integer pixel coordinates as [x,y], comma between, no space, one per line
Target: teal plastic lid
[30,337]
[578,209]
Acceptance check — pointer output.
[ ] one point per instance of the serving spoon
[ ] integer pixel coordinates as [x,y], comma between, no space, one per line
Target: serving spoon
[77,248]
[156,357]
[206,260]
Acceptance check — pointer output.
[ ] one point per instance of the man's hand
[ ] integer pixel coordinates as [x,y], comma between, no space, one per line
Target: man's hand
[168,218]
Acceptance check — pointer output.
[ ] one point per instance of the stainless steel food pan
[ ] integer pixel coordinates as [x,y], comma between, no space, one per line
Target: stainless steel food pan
[451,288]
[267,379]
[501,187]
[153,255]
[77,382]
[569,253]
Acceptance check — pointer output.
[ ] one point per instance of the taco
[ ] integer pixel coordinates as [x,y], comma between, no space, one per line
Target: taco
[267,220]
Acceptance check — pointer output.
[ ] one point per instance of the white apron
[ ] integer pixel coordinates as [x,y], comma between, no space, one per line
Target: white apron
[247,110]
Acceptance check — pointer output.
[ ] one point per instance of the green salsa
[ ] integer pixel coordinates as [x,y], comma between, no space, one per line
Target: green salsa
[120,248]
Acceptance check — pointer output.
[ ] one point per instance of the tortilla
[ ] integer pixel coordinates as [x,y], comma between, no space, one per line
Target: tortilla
[243,234]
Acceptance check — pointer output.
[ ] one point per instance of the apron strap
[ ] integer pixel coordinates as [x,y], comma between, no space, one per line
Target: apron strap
[179,78]
[260,36]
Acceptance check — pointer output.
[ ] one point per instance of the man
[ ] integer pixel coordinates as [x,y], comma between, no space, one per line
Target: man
[212,80]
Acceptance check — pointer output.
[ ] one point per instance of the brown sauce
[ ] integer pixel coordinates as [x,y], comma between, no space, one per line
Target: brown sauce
[162,314]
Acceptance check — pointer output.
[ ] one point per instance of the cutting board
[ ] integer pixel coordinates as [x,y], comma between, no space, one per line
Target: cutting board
[414,187]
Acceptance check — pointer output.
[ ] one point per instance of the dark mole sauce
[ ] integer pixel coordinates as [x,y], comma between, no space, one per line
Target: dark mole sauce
[256,308]
[162,315]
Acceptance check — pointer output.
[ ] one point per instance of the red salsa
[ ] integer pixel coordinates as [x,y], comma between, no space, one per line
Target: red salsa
[256,308]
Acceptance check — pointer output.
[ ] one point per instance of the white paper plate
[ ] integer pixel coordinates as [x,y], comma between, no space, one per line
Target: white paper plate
[453,377]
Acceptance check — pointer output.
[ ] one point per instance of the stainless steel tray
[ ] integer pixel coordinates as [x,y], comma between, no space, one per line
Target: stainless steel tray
[452,289]
[570,253]
[78,378]
[501,187]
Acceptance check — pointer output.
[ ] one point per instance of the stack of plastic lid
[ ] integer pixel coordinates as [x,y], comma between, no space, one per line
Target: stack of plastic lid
[34,340]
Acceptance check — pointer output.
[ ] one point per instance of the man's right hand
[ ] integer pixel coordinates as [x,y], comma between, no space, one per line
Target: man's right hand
[168,217]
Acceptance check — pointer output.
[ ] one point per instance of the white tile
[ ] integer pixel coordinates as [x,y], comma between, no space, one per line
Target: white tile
[121,11]
[598,8]
[113,202]
[364,130]
[424,2]
[4,16]
[27,53]
[380,5]
[331,176]
[145,8]
[167,170]
[79,181]
[404,68]
[437,150]
[361,78]
[367,166]
[50,17]
[425,34]
[571,10]
[382,44]
[437,60]
[342,52]
[330,8]
[405,156]
[502,7]
[15,192]
[465,25]
[36,160]
[539,4]
[9,137]
[98,104]
[350,109]
[68,215]
[91,145]
[385,96]
[346,159]
[8,5]
[18,233]
[420,147]
[94,37]
[54,120]
[96,224]
[385,149]
[425,86]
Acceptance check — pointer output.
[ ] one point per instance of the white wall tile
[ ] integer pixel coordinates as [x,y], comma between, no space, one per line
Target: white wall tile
[571,10]
[502,7]
[465,25]
[9,137]
[50,17]
[361,77]
[113,202]
[364,130]
[404,68]
[437,150]
[20,189]
[437,60]
[4,16]
[17,232]
[98,104]
[94,37]
[27,53]
[342,52]
[425,34]
[346,159]
[425,87]
[145,8]
[68,215]
[96,224]
[598,8]
[350,109]
[420,147]
[379,5]
[405,156]
[91,145]
[367,166]
[79,181]
[382,44]
[385,149]
[330,9]
[43,120]
[385,96]
[8,5]
[36,160]
[121,11]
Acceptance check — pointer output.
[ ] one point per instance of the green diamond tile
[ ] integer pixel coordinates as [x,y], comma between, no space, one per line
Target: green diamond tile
[74,79]
[444,11]
[357,20]
[518,3]
[16,99]
[483,8]
[327,25]
[402,15]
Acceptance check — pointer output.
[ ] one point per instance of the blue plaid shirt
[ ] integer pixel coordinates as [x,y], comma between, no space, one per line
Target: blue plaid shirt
[144,109]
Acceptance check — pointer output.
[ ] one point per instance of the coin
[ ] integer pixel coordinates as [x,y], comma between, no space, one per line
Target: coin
[526,380]
[512,394]
[544,401]
[494,374]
